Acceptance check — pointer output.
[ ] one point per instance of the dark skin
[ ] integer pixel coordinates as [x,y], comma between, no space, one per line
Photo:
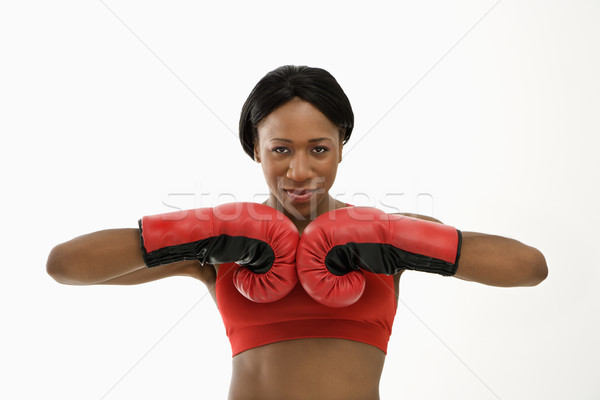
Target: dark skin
[298,147]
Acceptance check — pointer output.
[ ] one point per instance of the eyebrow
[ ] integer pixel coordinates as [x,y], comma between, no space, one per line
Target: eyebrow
[309,141]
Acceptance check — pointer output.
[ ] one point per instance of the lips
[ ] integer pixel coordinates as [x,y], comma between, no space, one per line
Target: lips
[299,194]
[299,191]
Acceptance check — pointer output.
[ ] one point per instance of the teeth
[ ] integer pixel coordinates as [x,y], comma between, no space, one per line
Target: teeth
[299,192]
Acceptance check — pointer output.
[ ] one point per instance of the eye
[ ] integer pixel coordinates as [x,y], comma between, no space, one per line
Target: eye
[279,150]
[320,149]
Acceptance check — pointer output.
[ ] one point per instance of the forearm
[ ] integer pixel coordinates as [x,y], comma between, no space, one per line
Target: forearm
[499,261]
[191,269]
[96,257]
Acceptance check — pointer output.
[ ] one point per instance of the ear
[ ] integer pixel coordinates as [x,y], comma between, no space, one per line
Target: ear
[256,157]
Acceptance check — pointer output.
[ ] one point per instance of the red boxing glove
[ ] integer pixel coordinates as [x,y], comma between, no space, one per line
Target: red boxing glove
[337,246]
[259,238]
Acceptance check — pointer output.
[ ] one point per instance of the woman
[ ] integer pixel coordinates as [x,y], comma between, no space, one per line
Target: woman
[295,124]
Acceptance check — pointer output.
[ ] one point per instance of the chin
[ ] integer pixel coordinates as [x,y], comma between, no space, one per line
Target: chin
[306,210]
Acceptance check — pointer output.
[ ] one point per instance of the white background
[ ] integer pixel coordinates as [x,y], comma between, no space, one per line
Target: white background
[110,111]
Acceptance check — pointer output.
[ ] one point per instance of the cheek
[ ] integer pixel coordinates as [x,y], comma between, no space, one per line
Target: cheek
[329,166]
[272,171]
[333,170]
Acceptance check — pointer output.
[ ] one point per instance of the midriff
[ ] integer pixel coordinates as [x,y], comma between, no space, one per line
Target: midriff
[314,368]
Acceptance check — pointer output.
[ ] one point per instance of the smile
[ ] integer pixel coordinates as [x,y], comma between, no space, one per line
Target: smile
[299,194]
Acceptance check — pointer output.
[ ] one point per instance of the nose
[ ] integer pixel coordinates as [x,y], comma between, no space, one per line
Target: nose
[300,168]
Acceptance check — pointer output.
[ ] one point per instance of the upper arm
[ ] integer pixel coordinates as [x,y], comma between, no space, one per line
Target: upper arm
[500,261]
[112,256]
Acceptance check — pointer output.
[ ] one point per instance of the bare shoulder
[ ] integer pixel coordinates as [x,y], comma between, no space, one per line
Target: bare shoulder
[419,216]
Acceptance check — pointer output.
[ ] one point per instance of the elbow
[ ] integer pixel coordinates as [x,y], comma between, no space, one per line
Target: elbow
[55,265]
[537,267]
[60,266]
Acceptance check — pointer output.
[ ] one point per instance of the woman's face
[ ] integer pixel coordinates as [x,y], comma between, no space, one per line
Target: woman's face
[299,150]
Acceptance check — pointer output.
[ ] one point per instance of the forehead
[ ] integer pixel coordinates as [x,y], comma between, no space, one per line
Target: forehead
[296,118]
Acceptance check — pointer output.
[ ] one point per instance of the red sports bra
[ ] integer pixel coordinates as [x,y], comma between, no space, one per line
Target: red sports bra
[298,316]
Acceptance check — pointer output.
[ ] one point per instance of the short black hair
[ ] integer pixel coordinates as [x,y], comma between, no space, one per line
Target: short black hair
[313,85]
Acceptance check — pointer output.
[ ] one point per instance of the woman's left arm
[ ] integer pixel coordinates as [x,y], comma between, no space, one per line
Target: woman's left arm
[499,261]
[496,260]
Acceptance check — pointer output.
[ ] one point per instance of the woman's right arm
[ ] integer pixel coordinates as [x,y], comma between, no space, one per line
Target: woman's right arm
[111,256]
